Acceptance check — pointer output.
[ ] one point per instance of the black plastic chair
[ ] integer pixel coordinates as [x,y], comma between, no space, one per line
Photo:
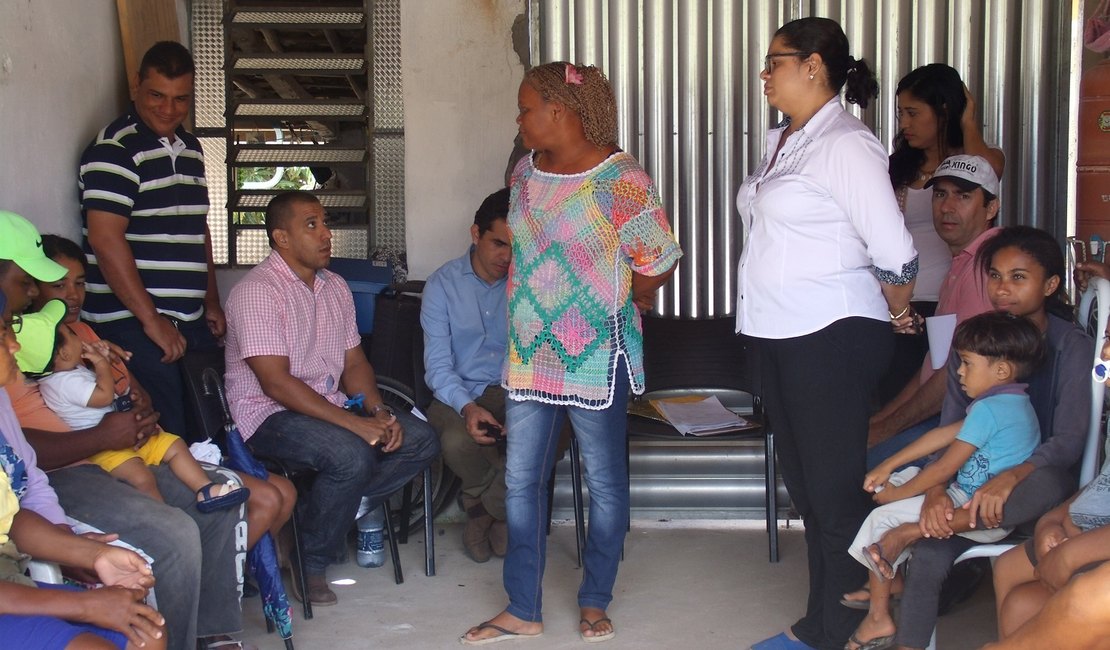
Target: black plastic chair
[208,415]
[706,356]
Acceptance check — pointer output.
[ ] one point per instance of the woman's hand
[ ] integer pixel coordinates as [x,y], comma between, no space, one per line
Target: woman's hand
[936,514]
[1047,538]
[988,501]
[1054,570]
[118,353]
[967,119]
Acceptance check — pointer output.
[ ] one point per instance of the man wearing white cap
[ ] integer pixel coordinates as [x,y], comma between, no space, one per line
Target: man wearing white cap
[965,203]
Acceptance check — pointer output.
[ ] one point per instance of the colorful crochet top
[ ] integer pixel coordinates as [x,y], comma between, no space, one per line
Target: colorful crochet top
[577,239]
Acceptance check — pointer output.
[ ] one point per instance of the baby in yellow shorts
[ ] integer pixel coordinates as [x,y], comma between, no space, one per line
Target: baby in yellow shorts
[53,354]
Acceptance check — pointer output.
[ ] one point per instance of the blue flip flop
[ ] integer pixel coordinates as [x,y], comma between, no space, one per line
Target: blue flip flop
[209,503]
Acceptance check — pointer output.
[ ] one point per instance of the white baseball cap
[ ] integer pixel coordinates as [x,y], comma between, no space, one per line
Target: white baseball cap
[971,169]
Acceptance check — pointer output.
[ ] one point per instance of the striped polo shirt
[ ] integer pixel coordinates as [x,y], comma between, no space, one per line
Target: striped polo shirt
[159,187]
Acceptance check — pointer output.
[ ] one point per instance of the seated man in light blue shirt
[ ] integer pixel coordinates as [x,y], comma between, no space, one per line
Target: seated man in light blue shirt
[465,321]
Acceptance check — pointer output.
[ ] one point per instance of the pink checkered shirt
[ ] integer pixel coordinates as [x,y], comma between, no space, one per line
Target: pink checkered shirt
[271,312]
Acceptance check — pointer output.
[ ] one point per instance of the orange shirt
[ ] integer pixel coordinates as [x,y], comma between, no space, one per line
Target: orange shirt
[119,369]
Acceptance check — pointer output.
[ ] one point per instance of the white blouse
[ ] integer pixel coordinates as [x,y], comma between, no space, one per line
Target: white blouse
[817,226]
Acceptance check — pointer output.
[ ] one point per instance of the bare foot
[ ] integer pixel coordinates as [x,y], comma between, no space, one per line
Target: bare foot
[500,625]
[594,625]
[863,595]
[886,552]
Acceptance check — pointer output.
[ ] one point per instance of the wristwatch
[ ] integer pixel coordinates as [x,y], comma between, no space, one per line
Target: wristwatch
[380,408]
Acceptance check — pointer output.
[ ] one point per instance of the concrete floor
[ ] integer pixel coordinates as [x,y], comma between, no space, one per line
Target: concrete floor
[683,584]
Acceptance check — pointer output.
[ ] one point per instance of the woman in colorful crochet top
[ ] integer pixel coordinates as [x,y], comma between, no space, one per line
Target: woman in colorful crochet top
[828,268]
[591,244]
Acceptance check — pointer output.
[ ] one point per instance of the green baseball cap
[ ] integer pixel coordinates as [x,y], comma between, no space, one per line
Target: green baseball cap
[20,242]
[36,337]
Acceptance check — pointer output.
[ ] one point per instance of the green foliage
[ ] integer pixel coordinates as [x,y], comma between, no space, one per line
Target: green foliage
[294,178]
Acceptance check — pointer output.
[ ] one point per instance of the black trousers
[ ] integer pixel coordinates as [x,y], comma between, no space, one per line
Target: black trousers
[817,392]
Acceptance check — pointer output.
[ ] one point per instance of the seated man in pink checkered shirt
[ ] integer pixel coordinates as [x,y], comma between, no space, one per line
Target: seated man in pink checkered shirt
[293,358]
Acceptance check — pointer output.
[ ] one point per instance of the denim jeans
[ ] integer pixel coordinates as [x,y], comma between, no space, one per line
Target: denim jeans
[161,380]
[192,552]
[533,435]
[347,469]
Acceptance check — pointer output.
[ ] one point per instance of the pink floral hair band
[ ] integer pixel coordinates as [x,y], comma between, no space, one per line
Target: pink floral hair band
[571,75]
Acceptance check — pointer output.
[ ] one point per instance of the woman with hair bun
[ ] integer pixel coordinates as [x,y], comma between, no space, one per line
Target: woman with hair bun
[828,268]
[591,244]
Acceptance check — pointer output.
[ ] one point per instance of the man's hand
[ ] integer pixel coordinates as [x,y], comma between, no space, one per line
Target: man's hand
[117,566]
[988,501]
[936,514]
[122,610]
[217,321]
[165,335]
[129,430]
[140,401]
[395,433]
[474,416]
[381,429]
[1084,271]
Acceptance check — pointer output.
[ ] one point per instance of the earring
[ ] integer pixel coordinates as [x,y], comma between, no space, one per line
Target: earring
[811,76]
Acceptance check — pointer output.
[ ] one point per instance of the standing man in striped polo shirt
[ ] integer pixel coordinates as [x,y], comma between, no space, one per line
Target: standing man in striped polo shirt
[144,206]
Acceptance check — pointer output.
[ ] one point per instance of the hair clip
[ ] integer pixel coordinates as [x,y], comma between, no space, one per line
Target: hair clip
[571,75]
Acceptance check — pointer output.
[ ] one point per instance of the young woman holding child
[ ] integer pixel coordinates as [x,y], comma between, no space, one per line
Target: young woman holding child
[996,351]
[1025,267]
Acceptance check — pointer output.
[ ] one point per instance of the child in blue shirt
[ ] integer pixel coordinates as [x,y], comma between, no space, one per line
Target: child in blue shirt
[999,432]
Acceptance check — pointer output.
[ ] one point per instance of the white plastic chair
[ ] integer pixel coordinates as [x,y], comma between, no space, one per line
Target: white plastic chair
[1096,297]
[45,572]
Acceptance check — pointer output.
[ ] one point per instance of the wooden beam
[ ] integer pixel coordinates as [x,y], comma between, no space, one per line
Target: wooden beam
[143,23]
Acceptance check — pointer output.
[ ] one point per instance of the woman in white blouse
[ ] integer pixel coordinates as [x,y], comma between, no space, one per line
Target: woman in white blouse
[828,266]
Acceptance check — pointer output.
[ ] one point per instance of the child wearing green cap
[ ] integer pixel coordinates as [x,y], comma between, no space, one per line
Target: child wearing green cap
[54,355]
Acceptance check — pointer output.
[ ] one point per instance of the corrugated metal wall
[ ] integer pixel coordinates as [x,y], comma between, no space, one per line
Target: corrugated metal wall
[686,75]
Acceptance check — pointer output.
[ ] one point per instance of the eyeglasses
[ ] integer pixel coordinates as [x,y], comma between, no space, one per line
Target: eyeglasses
[769,60]
[16,323]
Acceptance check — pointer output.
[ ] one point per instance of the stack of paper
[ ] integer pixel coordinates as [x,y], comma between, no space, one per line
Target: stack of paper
[700,417]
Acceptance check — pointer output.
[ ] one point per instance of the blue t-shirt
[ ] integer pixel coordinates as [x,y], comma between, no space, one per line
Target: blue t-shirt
[1002,425]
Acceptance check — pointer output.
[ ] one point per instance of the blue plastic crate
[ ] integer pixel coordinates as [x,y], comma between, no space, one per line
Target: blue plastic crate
[366,280]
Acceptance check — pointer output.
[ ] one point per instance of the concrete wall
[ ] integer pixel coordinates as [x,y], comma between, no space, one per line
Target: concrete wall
[61,79]
[460,81]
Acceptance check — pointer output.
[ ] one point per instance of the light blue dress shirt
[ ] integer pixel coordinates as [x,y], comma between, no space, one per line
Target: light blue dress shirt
[465,321]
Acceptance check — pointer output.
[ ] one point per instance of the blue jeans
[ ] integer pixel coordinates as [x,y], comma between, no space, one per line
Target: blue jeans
[347,469]
[895,443]
[193,552]
[161,380]
[533,430]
